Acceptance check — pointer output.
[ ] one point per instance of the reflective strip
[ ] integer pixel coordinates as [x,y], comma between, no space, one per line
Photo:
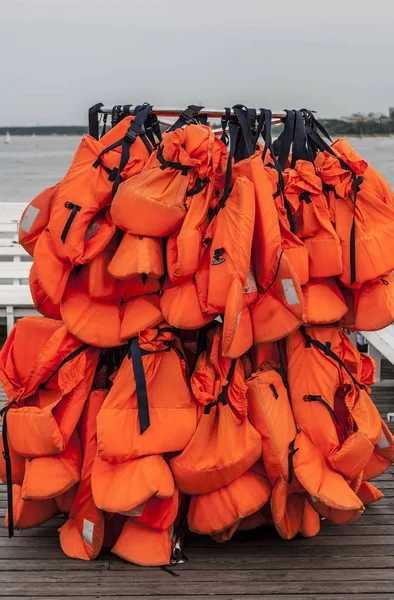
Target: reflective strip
[290,292]
[28,218]
[134,512]
[250,285]
[383,442]
[87,531]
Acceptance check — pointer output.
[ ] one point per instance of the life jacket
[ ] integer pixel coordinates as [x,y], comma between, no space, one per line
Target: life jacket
[47,375]
[180,306]
[142,415]
[144,546]
[324,302]
[224,445]
[89,184]
[103,311]
[220,510]
[137,255]
[363,213]
[32,513]
[330,403]
[35,218]
[83,533]
[270,413]
[156,201]
[126,486]
[42,302]
[371,307]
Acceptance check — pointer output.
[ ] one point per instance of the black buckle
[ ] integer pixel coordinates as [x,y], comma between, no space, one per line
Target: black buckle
[188,115]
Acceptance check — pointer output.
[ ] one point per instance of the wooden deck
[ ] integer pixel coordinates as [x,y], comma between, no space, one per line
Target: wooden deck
[352,563]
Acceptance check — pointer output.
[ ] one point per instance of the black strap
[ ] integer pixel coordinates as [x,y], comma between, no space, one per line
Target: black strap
[282,145]
[233,134]
[126,109]
[94,120]
[140,384]
[202,119]
[71,356]
[165,164]
[246,145]
[8,468]
[75,208]
[222,398]
[198,186]
[274,391]
[311,398]
[225,121]
[264,128]
[300,149]
[186,117]
[290,456]
[326,349]
[115,115]
[282,366]
[104,128]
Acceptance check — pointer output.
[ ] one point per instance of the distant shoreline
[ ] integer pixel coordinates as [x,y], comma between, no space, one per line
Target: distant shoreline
[335,128]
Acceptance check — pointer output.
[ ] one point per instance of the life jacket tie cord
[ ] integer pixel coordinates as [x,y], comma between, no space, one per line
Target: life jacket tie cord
[222,398]
[292,451]
[75,208]
[311,398]
[8,468]
[172,164]
[326,349]
[74,354]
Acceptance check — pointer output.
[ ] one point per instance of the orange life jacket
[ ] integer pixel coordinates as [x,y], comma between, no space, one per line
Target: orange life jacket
[142,415]
[83,533]
[225,445]
[35,218]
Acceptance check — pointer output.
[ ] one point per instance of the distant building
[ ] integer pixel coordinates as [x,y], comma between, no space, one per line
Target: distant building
[374,117]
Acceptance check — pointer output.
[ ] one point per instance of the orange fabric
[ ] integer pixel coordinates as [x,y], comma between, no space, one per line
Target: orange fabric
[357,196]
[35,218]
[172,411]
[137,255]
[143,545]
[41,300]
[155,202]
[323,302]
[82,535]
[44,418]
[225,445]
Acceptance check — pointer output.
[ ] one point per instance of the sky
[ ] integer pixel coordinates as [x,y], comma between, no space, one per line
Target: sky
[58,57]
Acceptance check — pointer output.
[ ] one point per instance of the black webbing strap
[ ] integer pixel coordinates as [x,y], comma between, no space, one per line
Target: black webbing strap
[225,121]
[246,143]
[8,468]
[104,128]
[264,128]
[152,130]
[274,391]
[140,385]
[282,366]
[71,356]
[312,398]
[165,164]
[326,349]
[222,398]
[198,186]
[135,130]
[290,456]
[115,115]
[282,144]
[94,120]
[202,119]
[300,149]
[186,117]
[233,128]
[75,208]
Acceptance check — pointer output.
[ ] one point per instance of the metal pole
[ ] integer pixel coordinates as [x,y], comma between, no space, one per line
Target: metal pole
[173,111]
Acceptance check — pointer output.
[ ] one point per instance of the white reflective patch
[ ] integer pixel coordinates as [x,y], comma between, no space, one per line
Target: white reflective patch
[383,442]
[87,531]
[91,230]
[135,512]
[250,285]
[314,498]
[28,218]
[290,292]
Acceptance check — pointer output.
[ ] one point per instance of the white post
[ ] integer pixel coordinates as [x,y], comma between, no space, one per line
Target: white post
[10,318]
[376,355]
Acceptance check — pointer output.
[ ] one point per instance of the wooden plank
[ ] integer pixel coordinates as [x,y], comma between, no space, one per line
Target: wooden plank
[174,586]
[262,594]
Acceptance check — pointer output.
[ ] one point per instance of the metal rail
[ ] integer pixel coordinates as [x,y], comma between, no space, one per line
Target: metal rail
[174,112]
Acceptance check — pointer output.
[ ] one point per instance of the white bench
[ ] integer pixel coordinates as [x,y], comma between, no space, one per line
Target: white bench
[15,263]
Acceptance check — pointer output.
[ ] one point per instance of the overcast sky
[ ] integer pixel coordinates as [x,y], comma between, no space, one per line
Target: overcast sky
[58,57]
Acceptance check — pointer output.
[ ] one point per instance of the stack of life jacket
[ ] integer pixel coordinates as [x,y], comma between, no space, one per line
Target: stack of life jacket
[191,369]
